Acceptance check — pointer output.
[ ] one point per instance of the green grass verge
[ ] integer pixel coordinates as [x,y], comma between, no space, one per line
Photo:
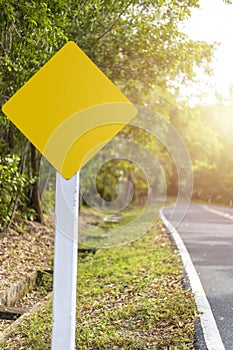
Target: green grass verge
[128,298]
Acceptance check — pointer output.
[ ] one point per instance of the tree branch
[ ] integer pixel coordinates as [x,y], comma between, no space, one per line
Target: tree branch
[114,22]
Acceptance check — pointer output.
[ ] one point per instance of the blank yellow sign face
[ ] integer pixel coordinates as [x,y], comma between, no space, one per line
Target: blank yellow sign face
[69,110]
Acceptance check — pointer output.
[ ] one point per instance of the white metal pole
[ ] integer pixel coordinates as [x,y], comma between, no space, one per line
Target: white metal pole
[65,263]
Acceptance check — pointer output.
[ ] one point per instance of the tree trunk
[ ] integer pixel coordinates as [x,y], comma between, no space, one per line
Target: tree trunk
[36,198]
[10,137]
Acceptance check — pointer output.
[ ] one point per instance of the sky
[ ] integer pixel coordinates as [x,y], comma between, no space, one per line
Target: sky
[213,22]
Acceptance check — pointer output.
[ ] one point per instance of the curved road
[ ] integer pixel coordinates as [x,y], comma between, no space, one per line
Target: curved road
[207,232]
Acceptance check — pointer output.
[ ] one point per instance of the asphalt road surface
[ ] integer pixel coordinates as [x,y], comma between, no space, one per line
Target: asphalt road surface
[207,232]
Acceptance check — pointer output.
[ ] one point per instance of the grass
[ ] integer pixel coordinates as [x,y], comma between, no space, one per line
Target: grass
[132,225]
[129,297]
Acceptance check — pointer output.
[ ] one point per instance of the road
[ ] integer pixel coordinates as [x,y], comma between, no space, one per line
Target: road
[207,232]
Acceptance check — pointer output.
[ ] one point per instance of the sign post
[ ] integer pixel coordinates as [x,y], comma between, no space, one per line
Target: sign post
[65,262]
[69,110]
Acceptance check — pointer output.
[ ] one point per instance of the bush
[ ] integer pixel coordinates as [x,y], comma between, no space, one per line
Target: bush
[12,186]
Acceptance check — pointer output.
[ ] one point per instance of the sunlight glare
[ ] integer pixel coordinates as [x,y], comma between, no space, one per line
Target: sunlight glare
[213,22]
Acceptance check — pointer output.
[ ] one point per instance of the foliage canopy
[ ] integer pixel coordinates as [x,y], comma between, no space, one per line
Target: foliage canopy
[137,43]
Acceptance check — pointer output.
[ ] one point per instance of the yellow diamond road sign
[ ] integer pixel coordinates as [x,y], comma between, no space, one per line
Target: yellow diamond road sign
[69,109]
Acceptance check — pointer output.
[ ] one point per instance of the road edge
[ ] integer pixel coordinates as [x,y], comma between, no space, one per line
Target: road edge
[218,212]
[209,327]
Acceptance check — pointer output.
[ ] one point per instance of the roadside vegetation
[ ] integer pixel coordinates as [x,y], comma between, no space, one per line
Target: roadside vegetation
[140,46]
[129,297]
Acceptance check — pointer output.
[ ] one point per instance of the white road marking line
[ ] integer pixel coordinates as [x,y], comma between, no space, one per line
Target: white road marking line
[218,212]
[210,330]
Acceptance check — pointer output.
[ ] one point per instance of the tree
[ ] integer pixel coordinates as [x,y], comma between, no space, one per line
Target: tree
[219,118]
[137,43]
